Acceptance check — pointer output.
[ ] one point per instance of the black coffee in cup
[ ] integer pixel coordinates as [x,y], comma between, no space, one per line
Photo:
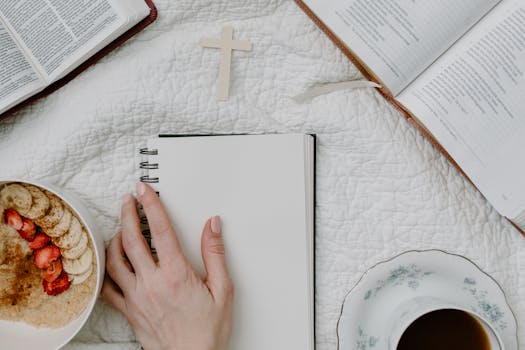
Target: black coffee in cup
[445,329]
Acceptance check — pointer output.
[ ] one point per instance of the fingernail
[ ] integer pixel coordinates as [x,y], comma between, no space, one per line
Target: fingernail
[216,224]
[141,188]
[127,198]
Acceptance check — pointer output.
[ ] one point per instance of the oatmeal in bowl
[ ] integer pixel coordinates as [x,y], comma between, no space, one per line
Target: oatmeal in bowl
[51,265]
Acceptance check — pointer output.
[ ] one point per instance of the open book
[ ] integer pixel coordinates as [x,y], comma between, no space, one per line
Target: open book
[263,188]
[457,69]
[44,41]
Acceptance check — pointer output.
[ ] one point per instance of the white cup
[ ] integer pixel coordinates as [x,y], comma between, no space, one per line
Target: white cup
[16,335]
[408,312]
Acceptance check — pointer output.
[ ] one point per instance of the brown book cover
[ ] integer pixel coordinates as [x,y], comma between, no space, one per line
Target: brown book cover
[92,60]
[384,91]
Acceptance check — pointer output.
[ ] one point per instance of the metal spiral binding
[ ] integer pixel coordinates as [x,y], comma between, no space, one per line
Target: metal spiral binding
[147,234]
[146,165]
[149,180]
[148,152]
[149,166]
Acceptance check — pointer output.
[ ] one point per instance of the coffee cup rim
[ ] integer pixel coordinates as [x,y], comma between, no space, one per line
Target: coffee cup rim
[479,318]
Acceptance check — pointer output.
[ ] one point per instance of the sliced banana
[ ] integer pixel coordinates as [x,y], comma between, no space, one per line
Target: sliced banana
[39,206]
[16,196]
[78,250]
[80,265]
[78,279]
[62,227]
[71,238]
[55,213]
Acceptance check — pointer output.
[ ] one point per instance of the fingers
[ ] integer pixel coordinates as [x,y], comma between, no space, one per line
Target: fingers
[112,294]
[162,232]
[117,265]
[134,243]
[213,254]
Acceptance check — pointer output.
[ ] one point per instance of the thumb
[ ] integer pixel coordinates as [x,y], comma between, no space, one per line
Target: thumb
[212,246]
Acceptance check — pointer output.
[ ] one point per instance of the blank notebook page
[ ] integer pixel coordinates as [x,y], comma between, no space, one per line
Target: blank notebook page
[261,187]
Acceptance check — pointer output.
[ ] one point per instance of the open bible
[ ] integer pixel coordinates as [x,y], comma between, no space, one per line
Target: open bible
[456,68]
[45,43]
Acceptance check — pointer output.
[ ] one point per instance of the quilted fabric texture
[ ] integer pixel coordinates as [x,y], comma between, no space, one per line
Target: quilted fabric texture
[381,187]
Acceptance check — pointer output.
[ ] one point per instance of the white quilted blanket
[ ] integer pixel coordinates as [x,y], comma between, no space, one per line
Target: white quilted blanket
[382,188]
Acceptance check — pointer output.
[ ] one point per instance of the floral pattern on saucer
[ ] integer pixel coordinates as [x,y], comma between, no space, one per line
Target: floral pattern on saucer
[365,342]
[411,274]
[491,311]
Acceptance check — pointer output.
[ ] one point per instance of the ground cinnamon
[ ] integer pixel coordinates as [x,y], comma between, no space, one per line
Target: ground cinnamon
[23,276]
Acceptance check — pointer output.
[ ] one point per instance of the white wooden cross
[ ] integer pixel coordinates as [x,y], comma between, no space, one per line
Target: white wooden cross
[227,45]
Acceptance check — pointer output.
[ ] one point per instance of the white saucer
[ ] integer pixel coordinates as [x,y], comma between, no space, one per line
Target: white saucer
[363,321]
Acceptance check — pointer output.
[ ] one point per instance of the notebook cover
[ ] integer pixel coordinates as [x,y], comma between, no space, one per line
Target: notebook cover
[386,93]
[94,59]
[314,160]
[314,204]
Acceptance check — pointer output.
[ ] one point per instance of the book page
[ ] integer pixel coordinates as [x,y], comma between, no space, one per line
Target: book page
[472,101]
[54,31]
[18,79]
[399,39]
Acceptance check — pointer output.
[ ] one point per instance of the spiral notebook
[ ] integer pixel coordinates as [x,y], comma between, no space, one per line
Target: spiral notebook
[263,188]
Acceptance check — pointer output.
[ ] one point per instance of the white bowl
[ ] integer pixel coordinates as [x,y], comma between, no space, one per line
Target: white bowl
[17,335]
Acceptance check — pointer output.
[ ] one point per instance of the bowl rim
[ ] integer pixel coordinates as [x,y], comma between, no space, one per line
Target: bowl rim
[64,195]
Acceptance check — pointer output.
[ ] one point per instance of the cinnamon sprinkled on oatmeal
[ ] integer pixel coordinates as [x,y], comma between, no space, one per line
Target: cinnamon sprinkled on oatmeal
[23,276]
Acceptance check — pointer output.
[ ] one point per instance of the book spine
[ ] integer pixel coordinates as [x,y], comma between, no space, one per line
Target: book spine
[148,167]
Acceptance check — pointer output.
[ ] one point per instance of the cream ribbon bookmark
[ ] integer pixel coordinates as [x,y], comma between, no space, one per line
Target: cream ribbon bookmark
[332,87]
[227,45]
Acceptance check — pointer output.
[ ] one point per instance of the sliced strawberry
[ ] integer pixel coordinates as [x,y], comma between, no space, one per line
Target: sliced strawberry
[28,230]
[53,271]
[60,285]
[40,241]
[44,257]
[13,219]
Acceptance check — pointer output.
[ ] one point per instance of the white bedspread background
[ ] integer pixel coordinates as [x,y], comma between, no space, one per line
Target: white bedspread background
[381,187]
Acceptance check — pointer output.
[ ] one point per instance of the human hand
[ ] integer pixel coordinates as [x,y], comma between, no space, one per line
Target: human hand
[166,303]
